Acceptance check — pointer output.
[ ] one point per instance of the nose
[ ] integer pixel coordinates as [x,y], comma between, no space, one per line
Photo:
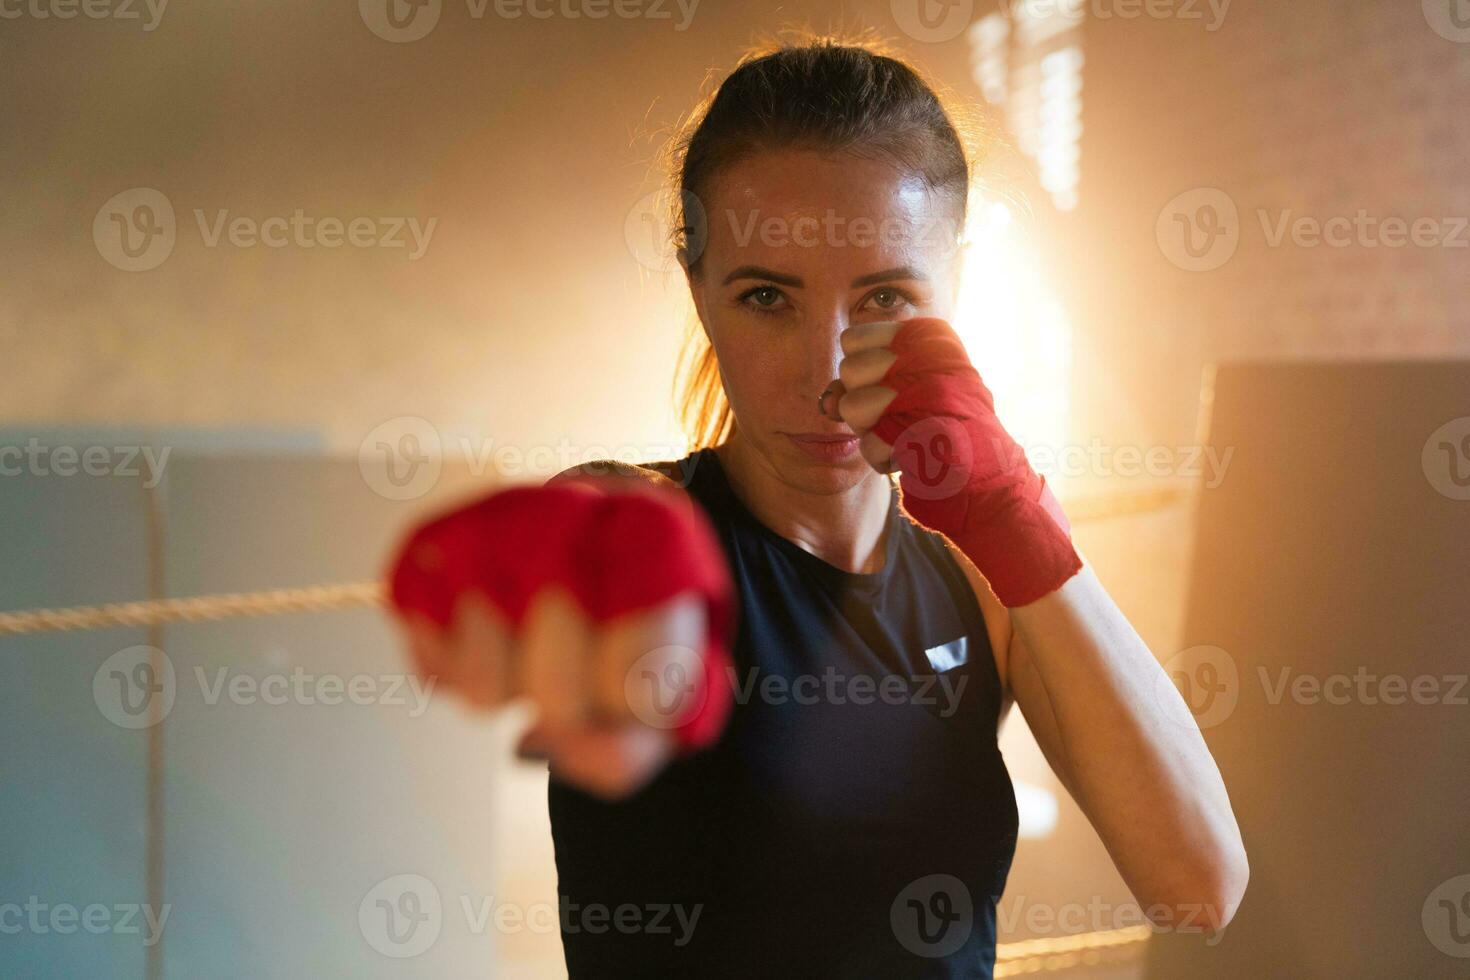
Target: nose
[823,357]
[828,399]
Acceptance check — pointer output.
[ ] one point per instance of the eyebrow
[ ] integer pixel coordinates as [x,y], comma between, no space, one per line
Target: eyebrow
[887,275]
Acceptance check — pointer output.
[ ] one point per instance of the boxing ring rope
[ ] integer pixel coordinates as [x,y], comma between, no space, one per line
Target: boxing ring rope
[155,612]
[1053,954]
[1046,955]
[324,598]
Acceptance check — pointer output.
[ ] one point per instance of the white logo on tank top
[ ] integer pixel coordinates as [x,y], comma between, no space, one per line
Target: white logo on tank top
[947,656]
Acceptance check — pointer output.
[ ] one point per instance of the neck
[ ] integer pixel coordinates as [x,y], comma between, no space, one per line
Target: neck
[845,529]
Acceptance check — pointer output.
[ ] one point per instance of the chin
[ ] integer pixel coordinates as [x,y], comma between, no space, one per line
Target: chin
[814,476]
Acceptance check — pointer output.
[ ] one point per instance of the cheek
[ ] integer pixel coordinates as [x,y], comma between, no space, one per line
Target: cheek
[757,370]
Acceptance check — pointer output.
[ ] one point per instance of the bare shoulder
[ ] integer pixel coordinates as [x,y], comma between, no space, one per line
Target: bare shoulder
[997,616]
[663,473]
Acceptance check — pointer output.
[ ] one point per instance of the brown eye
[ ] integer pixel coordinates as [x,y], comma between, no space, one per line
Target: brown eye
[763,299]
[894,297]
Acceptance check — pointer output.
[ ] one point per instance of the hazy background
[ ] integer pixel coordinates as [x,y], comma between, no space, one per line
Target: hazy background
[541,318]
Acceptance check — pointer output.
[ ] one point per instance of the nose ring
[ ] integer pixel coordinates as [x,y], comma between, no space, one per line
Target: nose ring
[837,388]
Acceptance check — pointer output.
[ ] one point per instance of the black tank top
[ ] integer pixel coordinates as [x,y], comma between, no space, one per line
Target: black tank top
[855,820]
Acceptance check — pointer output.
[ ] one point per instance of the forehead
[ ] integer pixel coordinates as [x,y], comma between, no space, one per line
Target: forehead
[795,209]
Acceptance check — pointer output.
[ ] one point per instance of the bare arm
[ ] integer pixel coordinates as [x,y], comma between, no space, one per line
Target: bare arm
[1124,744]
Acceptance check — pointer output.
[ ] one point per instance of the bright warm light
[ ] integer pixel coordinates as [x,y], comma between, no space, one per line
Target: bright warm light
[1017,334]
[1036,809]
[1029,63]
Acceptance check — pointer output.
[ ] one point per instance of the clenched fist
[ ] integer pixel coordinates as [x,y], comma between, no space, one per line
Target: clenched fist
[918,405]
[608,607]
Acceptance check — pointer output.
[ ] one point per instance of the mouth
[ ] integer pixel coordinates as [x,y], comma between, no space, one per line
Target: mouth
[825,447]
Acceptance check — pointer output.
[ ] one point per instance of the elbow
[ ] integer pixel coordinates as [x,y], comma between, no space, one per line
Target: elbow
[1204,897]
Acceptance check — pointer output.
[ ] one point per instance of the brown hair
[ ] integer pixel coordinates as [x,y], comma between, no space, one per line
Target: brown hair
[817,92]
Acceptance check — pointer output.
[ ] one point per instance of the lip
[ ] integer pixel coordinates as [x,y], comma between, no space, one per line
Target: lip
[825,447]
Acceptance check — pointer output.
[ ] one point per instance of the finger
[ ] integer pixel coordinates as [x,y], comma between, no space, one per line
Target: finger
[864,336]
[553,651]
[878,453]
[427,645]
[865,368]
[862,408]
[483,650]
[610,762]
[650,664]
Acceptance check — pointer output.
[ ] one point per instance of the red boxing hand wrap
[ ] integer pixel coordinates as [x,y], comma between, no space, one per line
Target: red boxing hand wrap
[963,475]
[615,553]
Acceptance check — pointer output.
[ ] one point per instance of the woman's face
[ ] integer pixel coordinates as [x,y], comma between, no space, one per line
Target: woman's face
[801,246]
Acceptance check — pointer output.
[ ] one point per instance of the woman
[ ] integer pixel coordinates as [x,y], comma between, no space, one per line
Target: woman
[854,817]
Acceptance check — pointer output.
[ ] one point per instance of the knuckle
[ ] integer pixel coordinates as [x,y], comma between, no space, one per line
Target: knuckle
[553,652]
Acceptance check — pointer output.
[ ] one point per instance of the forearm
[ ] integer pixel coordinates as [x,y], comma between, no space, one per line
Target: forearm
[1135,759]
